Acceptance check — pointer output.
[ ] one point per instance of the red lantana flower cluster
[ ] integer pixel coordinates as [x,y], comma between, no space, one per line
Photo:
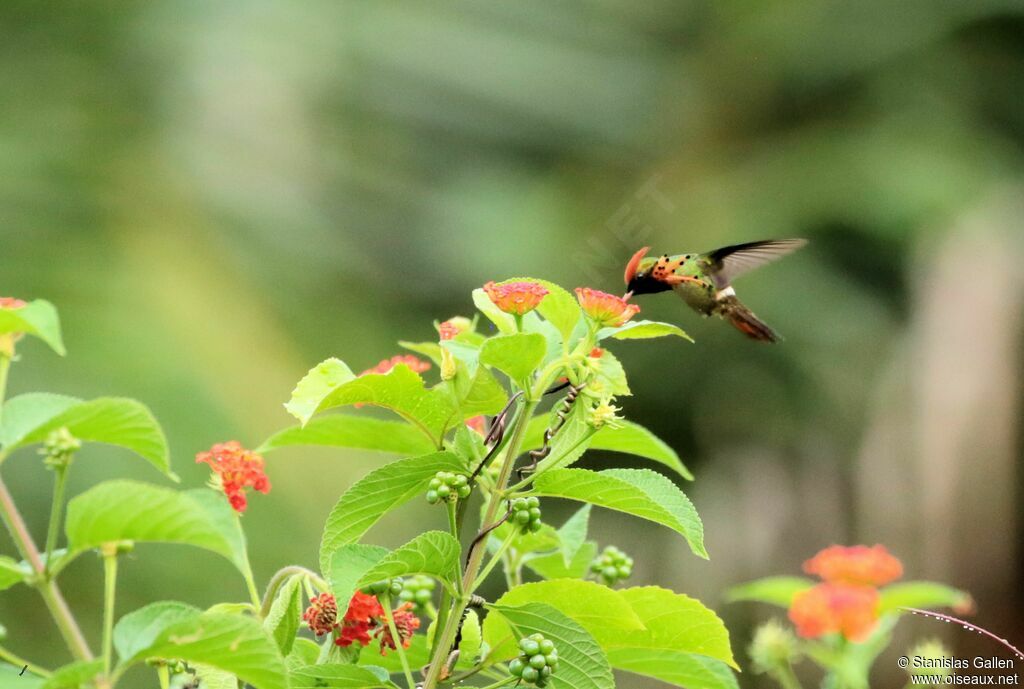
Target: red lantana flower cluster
[385,365]
[363,621]
[11,303]
[847,601]
[235,469]
[607,310]
[516,298]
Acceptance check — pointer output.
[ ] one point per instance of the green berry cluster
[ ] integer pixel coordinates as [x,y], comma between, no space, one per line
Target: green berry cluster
[538,660]
[419,590]
[612,566]
[390,586]
[447,487]
[526,514]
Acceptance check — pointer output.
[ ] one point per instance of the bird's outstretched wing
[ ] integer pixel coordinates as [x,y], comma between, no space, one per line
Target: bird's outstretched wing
[729,262]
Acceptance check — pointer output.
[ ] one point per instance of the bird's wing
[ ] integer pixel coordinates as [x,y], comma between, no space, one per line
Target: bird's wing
[729,262]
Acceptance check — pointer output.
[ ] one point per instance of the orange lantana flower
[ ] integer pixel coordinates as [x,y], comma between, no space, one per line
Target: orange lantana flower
[846,609]
[605,309]
[517,298]
[859,564]
[235,469]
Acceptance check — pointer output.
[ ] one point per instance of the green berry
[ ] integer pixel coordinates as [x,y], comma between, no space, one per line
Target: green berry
[422,597]
[432,497]
[516,667]
[434,483]
[547,647]
[530,674]
[529,647]
[538,661]
[532,501]
[444,491]
[460,480]
[522,517]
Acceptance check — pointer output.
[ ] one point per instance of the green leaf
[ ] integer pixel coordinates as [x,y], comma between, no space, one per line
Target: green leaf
[517,356]
[772,590]
[677,627]
[471,640]
[431,350]
[348,565]
[923,594]
[433,552]
[639,492]
[109,420]
[358,432]
[582,663]
[11,678]
[232,643]
[401,390]
[552,566]
[338,676]
[590,605]
[212,678]
[611,376]
[573,533]
[11,572]
[136,511]
[560,308]
[376,494]
[309,393]
[37,318]
[304,652]
[138,630]
[642,330]
[503,321]
[282,622]
[629,437]
[571,442]
[73,675]
[418,655]
[479,392]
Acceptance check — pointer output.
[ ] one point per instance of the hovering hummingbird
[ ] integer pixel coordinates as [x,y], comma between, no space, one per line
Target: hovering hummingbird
[704,281]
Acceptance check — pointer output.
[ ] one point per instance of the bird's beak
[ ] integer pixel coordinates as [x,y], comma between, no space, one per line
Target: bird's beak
[627,295]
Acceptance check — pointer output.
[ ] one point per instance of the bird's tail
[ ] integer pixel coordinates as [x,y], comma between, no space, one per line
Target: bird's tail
[744,320]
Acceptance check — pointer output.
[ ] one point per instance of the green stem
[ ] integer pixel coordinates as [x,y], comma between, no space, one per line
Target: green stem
[164,674]
[280,577]
[390,619]
[502,682]
[5,365]
[18,661]
[109,551]
[786,678]
[496,558]
[60,479]
[451,627]
[250,582]
[453,522]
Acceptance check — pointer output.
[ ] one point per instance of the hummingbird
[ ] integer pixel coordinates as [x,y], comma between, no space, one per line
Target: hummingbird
[704,281]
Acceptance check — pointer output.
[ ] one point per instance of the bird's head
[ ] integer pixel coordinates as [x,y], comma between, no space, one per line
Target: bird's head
[639,279]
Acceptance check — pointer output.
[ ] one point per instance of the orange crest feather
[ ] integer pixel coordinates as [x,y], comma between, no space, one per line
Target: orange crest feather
[634,263]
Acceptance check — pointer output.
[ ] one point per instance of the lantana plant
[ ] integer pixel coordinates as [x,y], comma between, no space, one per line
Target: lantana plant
[487,417]
[845,620]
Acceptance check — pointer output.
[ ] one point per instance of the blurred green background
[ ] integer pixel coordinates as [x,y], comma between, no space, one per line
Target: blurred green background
[219,195]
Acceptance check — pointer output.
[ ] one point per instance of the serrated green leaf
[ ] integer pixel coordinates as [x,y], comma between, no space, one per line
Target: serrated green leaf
[582,663]
[213,678]
[677,629]
[772,590]
[611,376]
[435,553]
[589,604]
[232,643]
[516,355]
[922,594]
[132,510]
[472,637]
[559,307]
[400,390]
[338,676]
[629,437]
[552,565]
[502,321]
[431,350]
[73,675]
[317,384]
[11,572]
[282,621]
[37,318]
[304,652]
[376,494]
[348,565]
[109,420]
[479,392]
[642,330]
[358,432]
[573,533]
[140,629]
[639,492]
